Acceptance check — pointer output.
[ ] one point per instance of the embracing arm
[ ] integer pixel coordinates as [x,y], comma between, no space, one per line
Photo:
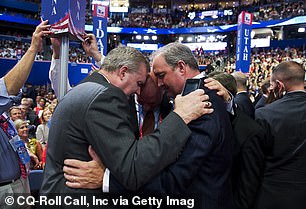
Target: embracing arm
[133,162]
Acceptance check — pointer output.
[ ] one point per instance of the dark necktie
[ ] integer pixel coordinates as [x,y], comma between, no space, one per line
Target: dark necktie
[148,123]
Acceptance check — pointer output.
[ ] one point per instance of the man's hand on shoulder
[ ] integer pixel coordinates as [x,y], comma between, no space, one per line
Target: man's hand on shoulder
[213,84]
[82,174]
[193,105]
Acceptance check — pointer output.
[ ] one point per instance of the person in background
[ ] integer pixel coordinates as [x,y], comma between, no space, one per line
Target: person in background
[265,85]
[15,113]
[247,150]
[42,131]
[29,114]
[284,180]
[242,98]
[33,145]
[37,99]
[40,106]
[13,173]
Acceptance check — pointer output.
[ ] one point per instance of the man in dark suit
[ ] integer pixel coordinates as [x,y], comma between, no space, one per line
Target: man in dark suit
[203,167]
[242,98]
[247,150]
[284,181]
[264,94]
[97,113]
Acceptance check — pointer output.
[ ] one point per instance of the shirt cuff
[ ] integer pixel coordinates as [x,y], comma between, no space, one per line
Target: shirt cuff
[98,64]
[105,186]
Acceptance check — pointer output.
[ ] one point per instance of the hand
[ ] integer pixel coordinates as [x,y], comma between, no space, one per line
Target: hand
[56,47]
[38,166]
[35,160]
[85,175]
[91,47]
[192,106]
[213,84]
[41,31]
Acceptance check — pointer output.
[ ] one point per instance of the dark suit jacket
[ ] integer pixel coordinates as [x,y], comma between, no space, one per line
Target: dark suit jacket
[202,170]
[248,159]
[245,104]
[284,183]
[97,113]
[261,102]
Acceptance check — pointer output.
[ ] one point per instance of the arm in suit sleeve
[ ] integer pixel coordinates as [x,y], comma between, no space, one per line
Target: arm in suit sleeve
[268,142]
[132,162]
[251,170]
[178,176]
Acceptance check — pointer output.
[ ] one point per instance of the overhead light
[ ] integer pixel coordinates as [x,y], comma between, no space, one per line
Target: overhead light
[301,30]
[181,39]
[189,39]
[146,38]
[138,37]
[154,38]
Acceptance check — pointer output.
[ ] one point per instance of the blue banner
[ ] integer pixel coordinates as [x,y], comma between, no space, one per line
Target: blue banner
[200,30]
[100,26]
[155,31]
[243,47]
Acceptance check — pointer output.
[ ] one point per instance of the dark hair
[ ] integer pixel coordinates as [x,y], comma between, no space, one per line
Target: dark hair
[228,81]
[290,73]
[265,86]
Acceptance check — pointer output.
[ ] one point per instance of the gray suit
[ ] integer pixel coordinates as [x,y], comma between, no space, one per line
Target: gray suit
[97,113]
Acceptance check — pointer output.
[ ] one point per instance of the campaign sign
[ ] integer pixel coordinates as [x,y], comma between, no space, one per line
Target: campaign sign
[100,13]
[243,47]
[65,16]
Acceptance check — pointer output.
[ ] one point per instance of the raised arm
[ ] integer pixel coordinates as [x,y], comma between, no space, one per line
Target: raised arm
[17,76]
[55,65]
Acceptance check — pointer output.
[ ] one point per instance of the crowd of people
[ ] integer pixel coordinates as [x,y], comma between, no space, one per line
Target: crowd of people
[117,131]
[9,49]
[179,17]
[262,60]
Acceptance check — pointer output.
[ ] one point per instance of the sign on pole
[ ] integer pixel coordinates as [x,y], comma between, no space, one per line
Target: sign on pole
[67,18]
[243,47]
[100,14]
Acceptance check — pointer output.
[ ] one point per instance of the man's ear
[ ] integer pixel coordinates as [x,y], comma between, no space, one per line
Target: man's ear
[182,67]
[281,85]
[122,72]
